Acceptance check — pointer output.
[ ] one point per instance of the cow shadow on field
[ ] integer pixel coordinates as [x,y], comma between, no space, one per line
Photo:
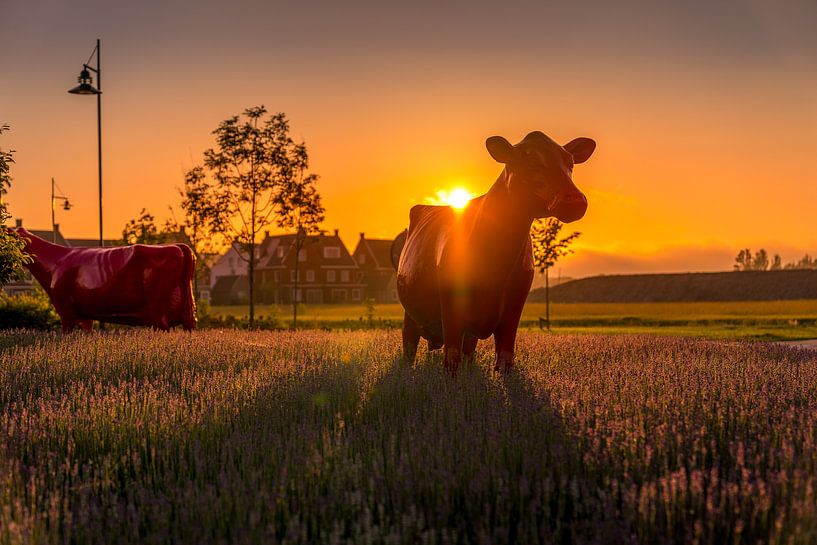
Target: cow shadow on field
[483,453]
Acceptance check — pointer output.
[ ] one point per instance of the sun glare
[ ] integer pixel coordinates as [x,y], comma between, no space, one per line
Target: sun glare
[456,198]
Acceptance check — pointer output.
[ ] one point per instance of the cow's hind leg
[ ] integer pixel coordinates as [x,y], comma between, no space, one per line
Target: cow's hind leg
[411,338]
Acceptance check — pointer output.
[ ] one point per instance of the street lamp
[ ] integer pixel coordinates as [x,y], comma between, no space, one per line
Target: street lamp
[65,206]
[86,87]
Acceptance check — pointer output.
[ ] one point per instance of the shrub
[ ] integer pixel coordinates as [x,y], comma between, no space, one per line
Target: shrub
[29,310]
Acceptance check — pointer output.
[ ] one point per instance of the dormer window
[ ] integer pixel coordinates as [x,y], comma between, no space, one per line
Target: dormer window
[331,252]
[279,252]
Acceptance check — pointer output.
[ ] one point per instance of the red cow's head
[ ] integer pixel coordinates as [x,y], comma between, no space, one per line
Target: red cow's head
[539,173]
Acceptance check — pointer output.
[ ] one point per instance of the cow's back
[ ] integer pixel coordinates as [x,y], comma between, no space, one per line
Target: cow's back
[417,272]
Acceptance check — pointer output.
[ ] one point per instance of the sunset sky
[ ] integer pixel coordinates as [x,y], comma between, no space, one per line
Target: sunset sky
[705,113]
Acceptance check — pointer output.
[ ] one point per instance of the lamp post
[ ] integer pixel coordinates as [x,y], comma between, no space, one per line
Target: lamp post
[65,206]
[86,87]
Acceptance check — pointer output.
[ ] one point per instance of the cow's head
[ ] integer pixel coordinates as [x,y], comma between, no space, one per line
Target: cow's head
[539,173]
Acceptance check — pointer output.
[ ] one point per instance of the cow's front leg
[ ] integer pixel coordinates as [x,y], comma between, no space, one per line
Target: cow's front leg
[469,346]
[411,338]
[453,333]
[86,325]
[505,337]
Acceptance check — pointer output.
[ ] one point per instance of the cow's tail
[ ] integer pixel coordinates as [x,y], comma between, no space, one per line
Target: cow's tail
[188,300]
[397,248]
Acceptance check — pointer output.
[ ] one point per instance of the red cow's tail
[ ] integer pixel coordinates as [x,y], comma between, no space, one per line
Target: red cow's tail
[188,301]
[397,248]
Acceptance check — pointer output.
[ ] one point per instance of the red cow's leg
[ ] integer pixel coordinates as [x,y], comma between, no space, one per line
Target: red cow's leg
[86,325]
[452,338]
[505,335]
[411,338]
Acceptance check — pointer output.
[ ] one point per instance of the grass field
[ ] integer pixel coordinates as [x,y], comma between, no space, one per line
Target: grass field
[323,437]
[772,320]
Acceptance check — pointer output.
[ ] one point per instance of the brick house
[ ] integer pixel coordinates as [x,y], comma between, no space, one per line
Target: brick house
[326,271]
[373,258]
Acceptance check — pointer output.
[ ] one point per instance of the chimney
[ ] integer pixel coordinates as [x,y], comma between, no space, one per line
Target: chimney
[18,222]
[266,233]
[362,235]
[336,232]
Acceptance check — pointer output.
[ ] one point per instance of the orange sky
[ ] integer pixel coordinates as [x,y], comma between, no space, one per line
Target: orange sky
[705,117]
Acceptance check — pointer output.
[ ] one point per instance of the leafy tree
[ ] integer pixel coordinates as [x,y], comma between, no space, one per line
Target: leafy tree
[12,248]
[198,213]
[548,248]
[300,210]
[744,260]
[761,261]
[244,178]
[777,263]
[144,230]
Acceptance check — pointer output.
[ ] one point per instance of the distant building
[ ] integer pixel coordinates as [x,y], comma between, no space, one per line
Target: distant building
[373,258]
[327,273]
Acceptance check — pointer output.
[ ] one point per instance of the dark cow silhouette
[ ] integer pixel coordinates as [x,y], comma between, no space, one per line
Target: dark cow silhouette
[464,276]
[132,285]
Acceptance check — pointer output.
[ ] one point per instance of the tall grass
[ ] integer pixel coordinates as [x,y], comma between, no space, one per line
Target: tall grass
[315,437]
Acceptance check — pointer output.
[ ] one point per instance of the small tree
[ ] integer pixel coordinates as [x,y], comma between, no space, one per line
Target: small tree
[760,261]
[777,263]
[12,254]
[300,210]
[144,230]
[198,213]
[548,248]
[242,180]
[743,261]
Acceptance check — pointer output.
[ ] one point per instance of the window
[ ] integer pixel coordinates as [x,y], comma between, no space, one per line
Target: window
[292,276]
[355,295]
[296,295]
[331,252]
[344,276]
[330,276]
[339,296]
[361,259]
[310,276]
[302,255]
[279,252]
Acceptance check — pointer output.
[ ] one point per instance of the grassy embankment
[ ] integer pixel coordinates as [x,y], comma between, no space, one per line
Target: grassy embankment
[317,437]
[771,320]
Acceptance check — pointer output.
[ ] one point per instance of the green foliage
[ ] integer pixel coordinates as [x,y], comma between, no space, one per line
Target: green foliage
[254,178]
[145,230]
[12,248]
[29,311]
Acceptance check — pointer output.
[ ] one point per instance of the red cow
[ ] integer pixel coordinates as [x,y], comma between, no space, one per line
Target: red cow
[464,276]
[132,285]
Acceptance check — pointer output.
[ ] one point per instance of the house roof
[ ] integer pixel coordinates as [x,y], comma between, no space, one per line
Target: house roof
[226,285]
[313,244]
[378,248]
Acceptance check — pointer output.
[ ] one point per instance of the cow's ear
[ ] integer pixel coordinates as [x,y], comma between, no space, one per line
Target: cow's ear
[500,149]
[581,149]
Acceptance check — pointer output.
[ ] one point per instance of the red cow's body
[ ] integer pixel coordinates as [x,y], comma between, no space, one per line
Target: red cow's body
[132,285]
[464,276]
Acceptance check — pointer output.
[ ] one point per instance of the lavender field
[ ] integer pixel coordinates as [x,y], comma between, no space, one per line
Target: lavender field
[317,437]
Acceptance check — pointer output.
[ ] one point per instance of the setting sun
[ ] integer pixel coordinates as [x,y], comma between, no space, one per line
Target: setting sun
[457,198]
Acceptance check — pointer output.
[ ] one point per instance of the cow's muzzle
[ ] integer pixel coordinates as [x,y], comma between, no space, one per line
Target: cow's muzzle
[569,207]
